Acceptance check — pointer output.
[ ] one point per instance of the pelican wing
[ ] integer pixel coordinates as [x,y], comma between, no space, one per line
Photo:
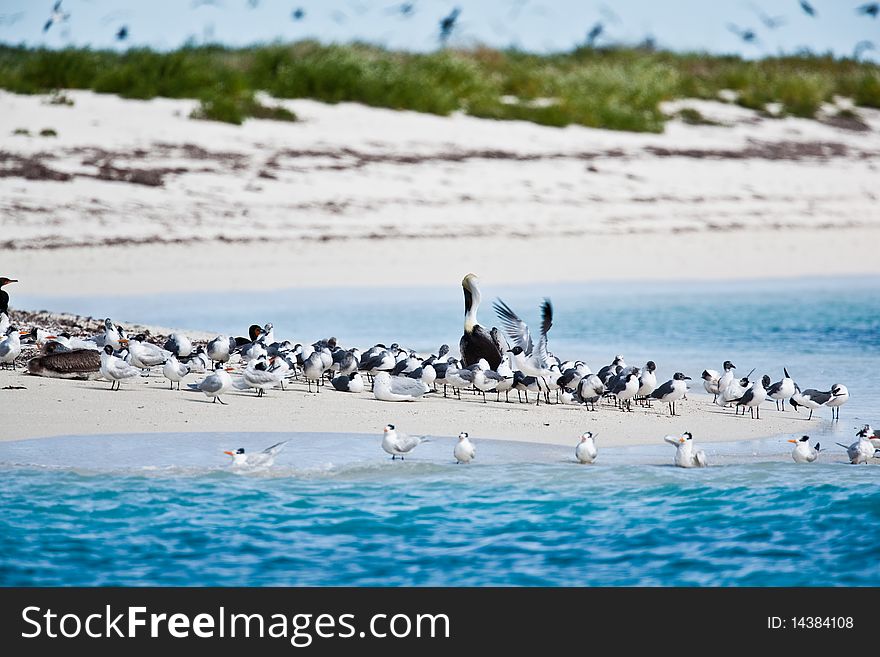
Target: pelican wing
[516,329]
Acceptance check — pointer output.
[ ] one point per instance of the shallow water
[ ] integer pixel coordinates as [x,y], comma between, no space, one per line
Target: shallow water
[334,510]
[166,509]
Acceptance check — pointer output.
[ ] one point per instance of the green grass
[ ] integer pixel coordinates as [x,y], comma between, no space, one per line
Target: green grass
[616,88]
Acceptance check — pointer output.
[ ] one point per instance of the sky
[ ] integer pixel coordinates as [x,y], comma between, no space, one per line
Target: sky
[535,25]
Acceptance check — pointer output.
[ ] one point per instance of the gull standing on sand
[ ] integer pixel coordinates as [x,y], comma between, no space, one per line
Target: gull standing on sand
[840,395]
[215,384]
[174,371]
[647,380]
[625,389]
[803,452]
[809,398]
[671,391]
[685,456]
[464,451]
[781,390]
[752,399]
[397,389]
[263,459]
[114,369]
[399,444]
[716,383]
[476,342]
[220,348]
[10,347]
[611,370]
[144,355]
[586,451]
[861,450]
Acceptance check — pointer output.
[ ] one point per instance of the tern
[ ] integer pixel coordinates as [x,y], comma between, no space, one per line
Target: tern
[399,444]
[174,371]
[586,451]
[464,450]
[215,384]
[685,456]
[803,452]
[861,450]
[114,369]
[10,347]
[258,375]
[397,389]
[263,459]
[144,355]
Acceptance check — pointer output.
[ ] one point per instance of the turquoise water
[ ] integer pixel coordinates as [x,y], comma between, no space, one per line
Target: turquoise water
[335,511]
[165,509]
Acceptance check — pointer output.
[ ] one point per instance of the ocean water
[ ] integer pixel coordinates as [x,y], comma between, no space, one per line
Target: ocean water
[334,510]
[166,509]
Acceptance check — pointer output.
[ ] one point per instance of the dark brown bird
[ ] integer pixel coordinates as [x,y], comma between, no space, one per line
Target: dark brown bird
[4,298]
[77,364]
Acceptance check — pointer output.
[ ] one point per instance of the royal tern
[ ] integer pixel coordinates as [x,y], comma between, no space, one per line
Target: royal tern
[114,369]
[143,354]
[215,384]
[257,375]
[397,389]
[476,342]
[671,391]
[803,452]
[263,459]
[586,451]
[464,450]
[685,456]
[861,450]
[399,444]
[174,371]
[10,347]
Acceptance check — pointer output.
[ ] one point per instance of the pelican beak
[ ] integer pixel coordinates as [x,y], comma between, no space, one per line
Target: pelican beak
[792,440]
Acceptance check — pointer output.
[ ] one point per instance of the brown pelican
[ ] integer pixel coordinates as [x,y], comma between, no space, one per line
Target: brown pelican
[4,297]
[477,342]
[59,364]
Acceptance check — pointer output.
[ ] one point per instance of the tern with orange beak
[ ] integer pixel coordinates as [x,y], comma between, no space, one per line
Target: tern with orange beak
[10,347]
[803,452]
[114,369]
[586,451]
[399,444]
[263,459]
[685,456]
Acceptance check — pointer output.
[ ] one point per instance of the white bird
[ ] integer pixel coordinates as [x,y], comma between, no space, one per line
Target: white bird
[485,380]
[258,375]
[781,390]
[399,444]
[313,370]
[803,452]
[528,358]
[388,388]
[263,459]
[179,345]
[464,451]
[199,363]
[713,381]
[671,391]
[174,371]
[727,377]
[58,16]
[215,384]
[220,348]
[647,380]
[625,389]
[590,389]
[353,382]
[752,399]
[840,395]
[10,347]
[586,451]
[861,450]
[112,335]
[114,369]
[733,391]
[67,342]
[809,398]
[144,355]
[685,456]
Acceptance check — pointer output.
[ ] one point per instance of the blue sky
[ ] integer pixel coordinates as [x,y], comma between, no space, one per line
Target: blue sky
[529,24]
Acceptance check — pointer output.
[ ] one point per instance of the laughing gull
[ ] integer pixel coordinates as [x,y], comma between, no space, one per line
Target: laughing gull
[527,357]
[753,397]
[116,370]
[258,375]
[611,370]
[399,444]
[781,390]
[263,459]
[464,450]
[809,398]
[685,456]
[625,389]
[590,390]
[353,382]
[485,380]
[220,348]
[647,381]
[313,370]
[671,391]
[585,451]
[803,452]
[179,345]
[840,395]
[476,342]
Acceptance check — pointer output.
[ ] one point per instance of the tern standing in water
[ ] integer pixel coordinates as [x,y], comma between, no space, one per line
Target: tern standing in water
[399,444]
[586,450]
[861,450]
[464,451]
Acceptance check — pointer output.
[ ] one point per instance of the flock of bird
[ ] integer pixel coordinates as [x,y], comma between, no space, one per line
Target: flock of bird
[500,360]
[449,22]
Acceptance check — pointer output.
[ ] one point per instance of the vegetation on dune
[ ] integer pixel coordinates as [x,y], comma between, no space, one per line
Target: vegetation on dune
[615,88]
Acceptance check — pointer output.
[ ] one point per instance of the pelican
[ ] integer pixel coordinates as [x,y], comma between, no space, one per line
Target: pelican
[58,363]
[399,444]
[586,451]
[464,451]
[262,459]
[477,342]
[685,457]
[803,452]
